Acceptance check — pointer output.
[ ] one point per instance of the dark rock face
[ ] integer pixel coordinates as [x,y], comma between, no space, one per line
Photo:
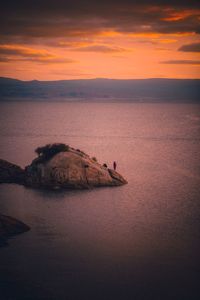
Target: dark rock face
[10,173]
[60,166]
[10,226]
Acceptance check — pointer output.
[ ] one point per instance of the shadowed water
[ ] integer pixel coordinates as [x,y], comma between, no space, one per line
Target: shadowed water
[138,241]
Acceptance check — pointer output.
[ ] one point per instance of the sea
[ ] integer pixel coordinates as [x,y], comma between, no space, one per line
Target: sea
[139,241]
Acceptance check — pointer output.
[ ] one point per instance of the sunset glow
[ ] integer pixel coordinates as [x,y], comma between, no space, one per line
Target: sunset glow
[56,40]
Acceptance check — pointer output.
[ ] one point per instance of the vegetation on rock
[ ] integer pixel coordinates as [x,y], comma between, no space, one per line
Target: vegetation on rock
[47,152]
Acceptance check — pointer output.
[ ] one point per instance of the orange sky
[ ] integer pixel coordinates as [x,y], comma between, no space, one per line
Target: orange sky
[117,41]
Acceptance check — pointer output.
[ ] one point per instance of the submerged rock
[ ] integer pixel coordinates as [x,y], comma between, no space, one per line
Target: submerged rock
[10,226]
[60,166]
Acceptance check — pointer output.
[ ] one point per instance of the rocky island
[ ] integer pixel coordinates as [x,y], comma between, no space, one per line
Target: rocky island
[61,166]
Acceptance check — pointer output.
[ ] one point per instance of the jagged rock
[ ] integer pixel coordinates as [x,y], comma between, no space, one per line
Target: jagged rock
[10,173]
[10,226]
[60,166]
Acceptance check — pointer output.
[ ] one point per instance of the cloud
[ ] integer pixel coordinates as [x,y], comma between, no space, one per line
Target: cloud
[9,53]
[18,50]
[162,49]
[181,62]
[195,47]
[89,45]
[47,60]
[101,49]
[72,73]
[71,43]
[4,59]
[50,19]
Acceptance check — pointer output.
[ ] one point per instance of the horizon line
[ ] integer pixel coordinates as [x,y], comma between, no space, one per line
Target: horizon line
[102,78]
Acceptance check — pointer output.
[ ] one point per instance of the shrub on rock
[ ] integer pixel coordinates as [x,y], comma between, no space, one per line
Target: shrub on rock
[48,151]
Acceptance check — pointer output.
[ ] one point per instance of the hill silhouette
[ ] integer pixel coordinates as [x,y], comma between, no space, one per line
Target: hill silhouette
[138,90]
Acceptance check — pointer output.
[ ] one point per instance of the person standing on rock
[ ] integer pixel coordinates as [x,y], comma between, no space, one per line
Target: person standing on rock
[114,165]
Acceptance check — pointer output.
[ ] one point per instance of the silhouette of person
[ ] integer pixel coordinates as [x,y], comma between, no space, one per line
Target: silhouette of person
[114,165]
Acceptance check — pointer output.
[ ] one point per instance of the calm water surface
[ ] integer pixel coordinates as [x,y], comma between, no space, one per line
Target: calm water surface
[138,241]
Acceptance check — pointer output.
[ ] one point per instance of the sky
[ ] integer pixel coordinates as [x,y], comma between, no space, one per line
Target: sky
[62,39]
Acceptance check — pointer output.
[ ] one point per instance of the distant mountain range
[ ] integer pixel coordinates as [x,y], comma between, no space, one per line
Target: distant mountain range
[138,90]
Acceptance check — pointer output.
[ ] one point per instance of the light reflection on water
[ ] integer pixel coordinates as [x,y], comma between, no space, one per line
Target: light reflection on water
[138,241]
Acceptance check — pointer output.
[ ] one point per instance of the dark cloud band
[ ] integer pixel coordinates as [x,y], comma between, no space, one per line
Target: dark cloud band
[33,19]
[181,62]
[194,47]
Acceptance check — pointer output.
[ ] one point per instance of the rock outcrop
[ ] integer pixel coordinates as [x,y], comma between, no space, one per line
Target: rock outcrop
[10,226]
[60,166]
[10,173]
